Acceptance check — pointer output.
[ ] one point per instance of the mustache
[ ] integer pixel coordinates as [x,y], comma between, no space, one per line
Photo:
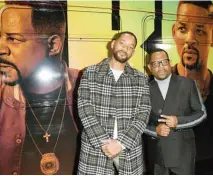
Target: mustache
[6,62]
[161,70]
[123,52]
[3,61]
[191,50]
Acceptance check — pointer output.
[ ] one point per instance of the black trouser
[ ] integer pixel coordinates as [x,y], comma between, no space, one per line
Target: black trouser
[187,167]
[115,170]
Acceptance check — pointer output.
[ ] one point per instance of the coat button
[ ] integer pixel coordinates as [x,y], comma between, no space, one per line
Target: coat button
[18,141]
[15,173]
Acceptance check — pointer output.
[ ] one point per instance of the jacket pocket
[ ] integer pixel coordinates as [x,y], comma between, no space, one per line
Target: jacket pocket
[188,134]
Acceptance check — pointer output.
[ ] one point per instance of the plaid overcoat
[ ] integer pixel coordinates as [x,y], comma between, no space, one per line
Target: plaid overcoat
[100,101]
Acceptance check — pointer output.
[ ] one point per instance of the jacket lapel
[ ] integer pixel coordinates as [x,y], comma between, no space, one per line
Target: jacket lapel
[156,98]
[172,93]
[156,93]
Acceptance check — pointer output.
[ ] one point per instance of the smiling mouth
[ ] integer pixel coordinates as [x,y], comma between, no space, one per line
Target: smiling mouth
[190,51]
[161,71]
[5,67]
[123,53]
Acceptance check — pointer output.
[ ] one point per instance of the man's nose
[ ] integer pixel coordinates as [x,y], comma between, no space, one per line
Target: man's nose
[125,48]
[191,39]
[4,50]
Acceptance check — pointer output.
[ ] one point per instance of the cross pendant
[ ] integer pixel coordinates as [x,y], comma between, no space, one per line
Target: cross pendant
[46,136]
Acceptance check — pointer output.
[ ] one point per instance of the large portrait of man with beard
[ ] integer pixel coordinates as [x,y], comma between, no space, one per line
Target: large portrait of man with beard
[38,131]
[192,33]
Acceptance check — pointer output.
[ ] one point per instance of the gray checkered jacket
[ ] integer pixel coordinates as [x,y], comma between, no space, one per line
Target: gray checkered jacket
[100,101]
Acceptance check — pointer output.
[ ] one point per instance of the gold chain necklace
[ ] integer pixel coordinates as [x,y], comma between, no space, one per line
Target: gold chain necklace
[49,163]
[46,134]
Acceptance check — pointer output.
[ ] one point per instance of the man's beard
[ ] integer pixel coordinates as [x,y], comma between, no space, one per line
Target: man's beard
[194,66]
[11,83]
[119,59]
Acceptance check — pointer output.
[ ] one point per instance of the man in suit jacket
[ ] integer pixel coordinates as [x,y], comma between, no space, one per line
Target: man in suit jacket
[176,108]
[114,107]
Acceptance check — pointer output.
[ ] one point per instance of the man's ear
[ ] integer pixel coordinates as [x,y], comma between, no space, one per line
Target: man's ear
[173,31]
[112,44]
[55,45]
[212,39]
[149,67]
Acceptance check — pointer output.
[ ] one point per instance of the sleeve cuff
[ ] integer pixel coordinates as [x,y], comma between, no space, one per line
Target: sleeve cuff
[122,146]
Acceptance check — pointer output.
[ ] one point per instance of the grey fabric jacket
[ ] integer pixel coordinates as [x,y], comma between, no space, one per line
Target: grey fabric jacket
[184,101]
[101,100]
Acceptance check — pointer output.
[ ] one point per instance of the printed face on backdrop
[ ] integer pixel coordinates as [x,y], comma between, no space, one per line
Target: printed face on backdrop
[123,48]
[159,65]
[192,35]
[20,49]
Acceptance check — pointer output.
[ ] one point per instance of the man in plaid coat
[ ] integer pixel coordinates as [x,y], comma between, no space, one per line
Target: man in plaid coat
[114,107]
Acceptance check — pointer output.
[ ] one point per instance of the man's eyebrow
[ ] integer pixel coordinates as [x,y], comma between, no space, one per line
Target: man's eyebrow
[200,25]
[24,35]
[182,23]
[11,33]
[123,40]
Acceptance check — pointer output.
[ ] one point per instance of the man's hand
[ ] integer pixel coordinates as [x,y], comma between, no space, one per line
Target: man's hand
[171,121]
[162,130]
[111,148]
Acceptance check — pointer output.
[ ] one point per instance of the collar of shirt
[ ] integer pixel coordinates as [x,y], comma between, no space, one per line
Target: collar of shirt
[104,68]
[163,85]
[116,73]
[165,81]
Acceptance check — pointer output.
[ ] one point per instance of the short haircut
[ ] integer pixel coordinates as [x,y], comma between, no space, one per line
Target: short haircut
[118,35]
[203,4]
[48,17]
[155,51]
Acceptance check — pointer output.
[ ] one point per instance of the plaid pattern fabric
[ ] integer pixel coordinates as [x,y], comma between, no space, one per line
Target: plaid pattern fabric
[100,101]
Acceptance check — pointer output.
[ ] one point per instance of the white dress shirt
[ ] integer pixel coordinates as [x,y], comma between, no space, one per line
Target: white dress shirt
[164,85]
[117,74]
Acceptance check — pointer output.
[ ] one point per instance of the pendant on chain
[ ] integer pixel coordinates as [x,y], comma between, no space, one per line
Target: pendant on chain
[49,164]
[47,136]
